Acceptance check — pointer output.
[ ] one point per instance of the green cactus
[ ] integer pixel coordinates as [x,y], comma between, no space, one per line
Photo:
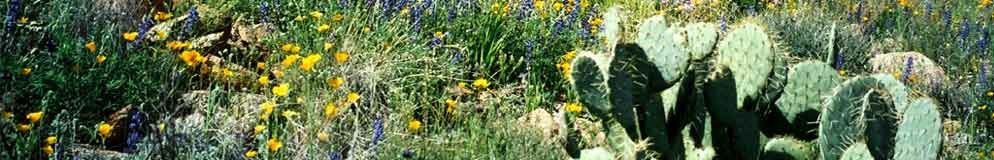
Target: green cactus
[664,46]
[807,83]
[734,134]
[701,38]
[899,93]
[748,51]
[589,80]
[878,121]
[788,148]
[857,151]
[596,154]
[613,29]
[839,117]
[919,135]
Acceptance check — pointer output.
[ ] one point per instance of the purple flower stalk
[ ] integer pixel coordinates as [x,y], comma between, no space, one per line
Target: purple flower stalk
[334,156]
[984,41]
[964,31]
[947,16]
[526,8]
[724,24]
[908,66]
[12,12]
[457,57]
[143,30]
[192,17]
[134,134]
[838,60]
[377,131]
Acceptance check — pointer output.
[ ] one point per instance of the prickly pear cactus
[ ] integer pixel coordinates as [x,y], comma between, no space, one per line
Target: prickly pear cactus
[897,90]
[613,29]
[807,83]
[590,81]
[701,38]
[596,154]
[878,120]
[857,151]
[748,51]
[788,148]
[706,153]
[840,114]
[919,134]
[664,45]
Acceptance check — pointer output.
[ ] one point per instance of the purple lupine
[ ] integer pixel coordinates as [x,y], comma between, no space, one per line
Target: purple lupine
[343,3]
[134,135]
[143,30]
[529,50]
[457,57]
[859,12]
[334,156]
[928,9]
[416,15]
[573,14]
[12,12]
[908,66]
[436,41]
[558,26]
[984,41]
[947,16]
[964,31]
[377,131]
[587,29]
[191,20]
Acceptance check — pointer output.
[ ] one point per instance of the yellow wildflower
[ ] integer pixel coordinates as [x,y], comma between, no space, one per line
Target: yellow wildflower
[985,3]
[161,35]
[481,83]
[23,20]
[558,6]
[8,115]
[439,35]
[290,60]
[317,14]
[48,150]
[251,154]
[903,3]
[105,130]
[539,5]
[51,140]
[282,90]
[162,127]
[352,98]
[26,71]
[34,117]
[227,73]
[101,58]
[91,46]
[330,110]
[267,109]
[177,45]
[191,57]
[300,18]
[264,80]
[278,73]
[288,114]
[274,144]
[24,127]
[573,107]
[260,65]
[338,17]
[328,46]
[450,105]
[323,28]
[341,57]
[990,93]
[308,63]
[336,82]
[130,36]
[163,16]
[366,30]
[414,125]
[842,72]
[323,136]
[259,129]
[291,48]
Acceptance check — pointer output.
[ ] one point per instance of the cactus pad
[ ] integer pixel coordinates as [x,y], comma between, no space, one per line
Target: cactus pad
[701,38]
[613,29]
[919,134]
[748,51]
[664,45]
[596,154]
[788,148]
[807,83]
[839,116]
[857,151]
[589,80]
